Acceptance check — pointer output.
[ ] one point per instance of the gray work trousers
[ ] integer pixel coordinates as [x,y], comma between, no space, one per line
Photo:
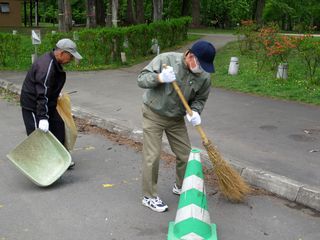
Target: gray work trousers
[153,127]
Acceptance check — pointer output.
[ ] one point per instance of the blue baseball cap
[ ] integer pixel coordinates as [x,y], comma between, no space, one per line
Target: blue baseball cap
[205,53]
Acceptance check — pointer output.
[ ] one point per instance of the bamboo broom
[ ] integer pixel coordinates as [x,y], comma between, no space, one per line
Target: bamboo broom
[232,186]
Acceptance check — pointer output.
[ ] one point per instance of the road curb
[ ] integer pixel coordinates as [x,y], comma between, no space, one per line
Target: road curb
[279,185]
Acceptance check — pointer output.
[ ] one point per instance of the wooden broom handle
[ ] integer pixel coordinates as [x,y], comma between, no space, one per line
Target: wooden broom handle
[189,111]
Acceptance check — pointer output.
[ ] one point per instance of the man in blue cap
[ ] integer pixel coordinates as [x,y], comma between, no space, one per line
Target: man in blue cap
[163,111]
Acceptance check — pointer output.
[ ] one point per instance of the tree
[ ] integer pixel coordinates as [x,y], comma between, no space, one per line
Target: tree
[258,10]
[140,11]
[100,13]
[115,9]
[131,19]
[185,10]
[64,15]
[91,14]
[196,13]
[157,9]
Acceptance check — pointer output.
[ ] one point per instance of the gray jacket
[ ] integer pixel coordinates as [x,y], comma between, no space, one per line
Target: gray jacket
[162,98]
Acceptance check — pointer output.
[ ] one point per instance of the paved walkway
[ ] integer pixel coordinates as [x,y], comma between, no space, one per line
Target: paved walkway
[276,144]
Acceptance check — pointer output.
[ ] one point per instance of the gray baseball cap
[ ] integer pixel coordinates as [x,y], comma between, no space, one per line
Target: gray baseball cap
[67,45]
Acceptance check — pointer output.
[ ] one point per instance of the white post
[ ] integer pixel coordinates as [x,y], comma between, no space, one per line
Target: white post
[123,57]
[233,66]
[282,72]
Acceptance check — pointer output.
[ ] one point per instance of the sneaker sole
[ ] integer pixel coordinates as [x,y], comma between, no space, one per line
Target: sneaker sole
[154,209]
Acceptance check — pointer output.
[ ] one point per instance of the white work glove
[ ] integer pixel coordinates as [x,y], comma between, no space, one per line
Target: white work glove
[167,75]
[44,125]
[195,119]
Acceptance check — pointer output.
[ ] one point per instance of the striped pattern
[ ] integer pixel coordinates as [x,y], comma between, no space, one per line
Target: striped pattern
[192,220]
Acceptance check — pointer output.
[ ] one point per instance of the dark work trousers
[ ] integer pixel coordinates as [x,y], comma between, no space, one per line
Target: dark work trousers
[56,124]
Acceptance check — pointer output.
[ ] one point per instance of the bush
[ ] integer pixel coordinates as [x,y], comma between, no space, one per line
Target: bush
[9,47]
[103,46]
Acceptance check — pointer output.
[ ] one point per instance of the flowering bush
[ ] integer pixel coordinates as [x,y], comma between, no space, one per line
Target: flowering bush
[246,32]
[281,48]
[274,47]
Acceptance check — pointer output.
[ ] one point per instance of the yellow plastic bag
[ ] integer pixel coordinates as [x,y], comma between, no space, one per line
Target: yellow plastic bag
[64,110]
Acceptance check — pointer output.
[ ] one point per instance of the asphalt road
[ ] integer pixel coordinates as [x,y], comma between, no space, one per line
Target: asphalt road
[101,199]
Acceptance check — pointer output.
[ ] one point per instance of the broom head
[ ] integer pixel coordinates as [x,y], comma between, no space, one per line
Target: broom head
[231,184]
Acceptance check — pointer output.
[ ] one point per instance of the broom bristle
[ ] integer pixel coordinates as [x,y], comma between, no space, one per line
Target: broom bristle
[230,182]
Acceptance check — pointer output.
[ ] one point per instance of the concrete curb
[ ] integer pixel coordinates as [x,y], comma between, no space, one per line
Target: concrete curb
[279,185]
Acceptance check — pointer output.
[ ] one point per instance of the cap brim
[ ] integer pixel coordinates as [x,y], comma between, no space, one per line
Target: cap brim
[76,55]
[208,67]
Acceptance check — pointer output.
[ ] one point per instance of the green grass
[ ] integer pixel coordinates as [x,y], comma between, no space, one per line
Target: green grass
[264,83]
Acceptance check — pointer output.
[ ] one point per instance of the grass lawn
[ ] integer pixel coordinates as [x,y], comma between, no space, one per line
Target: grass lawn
[248,80]
[264,83]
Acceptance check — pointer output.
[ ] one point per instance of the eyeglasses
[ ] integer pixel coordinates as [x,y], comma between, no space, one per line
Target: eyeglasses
[70,55]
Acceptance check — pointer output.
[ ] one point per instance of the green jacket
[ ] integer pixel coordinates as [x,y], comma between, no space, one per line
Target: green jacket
[162,98]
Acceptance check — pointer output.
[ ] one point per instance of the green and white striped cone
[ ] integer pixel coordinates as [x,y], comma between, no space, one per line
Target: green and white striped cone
[192,220]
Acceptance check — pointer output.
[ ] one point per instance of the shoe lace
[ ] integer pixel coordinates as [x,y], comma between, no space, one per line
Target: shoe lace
[158,200]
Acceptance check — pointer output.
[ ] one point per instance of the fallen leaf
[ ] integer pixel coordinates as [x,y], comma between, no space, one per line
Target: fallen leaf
[107,185]
[89,148]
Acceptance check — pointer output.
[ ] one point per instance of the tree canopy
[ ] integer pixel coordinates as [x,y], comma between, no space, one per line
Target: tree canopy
[288,14]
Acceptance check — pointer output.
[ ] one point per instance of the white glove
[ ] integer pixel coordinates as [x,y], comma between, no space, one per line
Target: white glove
[167,75]
[195,119]
[44,125]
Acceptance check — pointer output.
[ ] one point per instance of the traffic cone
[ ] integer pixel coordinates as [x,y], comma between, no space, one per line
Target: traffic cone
[192,220]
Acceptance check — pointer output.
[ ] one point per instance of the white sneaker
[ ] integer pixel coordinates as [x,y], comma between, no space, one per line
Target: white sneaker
[176,190]
[154,204]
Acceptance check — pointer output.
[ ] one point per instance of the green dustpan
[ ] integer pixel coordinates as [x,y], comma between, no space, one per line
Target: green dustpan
[41,157]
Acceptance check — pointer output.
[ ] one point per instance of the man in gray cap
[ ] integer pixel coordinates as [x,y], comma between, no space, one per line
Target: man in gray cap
[41,89]
[163,111]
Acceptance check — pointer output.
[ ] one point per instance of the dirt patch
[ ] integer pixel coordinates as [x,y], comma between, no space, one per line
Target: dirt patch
[9,96]
[169,160]
[85,127]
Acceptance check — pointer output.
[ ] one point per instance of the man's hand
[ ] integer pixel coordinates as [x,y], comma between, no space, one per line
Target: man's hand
[195,119]
[167,75]
[44,125]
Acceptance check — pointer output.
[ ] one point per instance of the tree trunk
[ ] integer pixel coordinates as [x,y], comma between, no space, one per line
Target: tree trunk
[258,10]
[30,9]
[64,15]
[130,12]
[67,15]
[109,14]
[185,8]
[25,12]
[100,12]
[36,12]
[157,9]
[91,13]
[195,13]
[140,11]
[61,15]
[115,7]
